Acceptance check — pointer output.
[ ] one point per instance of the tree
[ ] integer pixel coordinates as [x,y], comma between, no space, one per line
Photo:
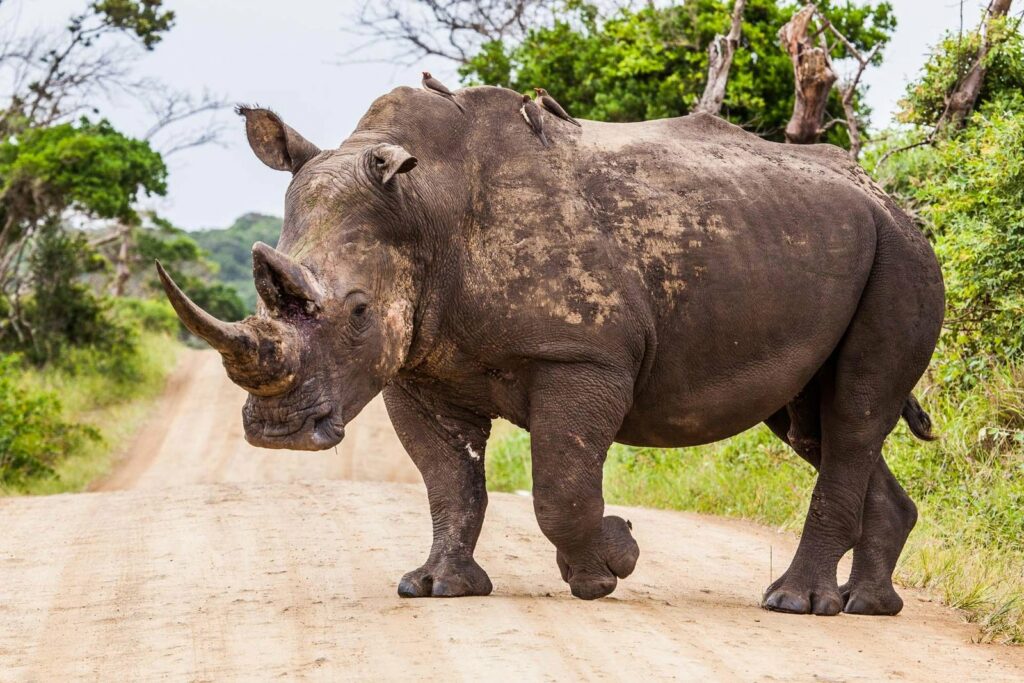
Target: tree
[53,77]
[812,73]
[651,62]
[953,63]
[88,167]
[805,39]
[964,95]
[58,167]
[955,80]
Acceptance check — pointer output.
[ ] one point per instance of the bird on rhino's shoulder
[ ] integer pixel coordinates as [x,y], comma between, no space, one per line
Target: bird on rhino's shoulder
[431,84]
[545,100]
[531,112]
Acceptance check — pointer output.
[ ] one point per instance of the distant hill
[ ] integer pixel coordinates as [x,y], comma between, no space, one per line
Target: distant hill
[231,249]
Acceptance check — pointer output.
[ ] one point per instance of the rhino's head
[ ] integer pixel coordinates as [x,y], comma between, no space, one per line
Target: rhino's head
[334,320]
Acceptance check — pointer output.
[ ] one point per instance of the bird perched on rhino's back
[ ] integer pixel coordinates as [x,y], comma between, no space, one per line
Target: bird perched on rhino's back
[531,112]
[549,103]
[431,84]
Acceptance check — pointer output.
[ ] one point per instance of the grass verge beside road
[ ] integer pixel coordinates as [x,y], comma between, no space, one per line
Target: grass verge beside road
[103,408]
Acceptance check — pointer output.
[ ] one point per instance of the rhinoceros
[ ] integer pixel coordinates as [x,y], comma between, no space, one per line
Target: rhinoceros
[666,283]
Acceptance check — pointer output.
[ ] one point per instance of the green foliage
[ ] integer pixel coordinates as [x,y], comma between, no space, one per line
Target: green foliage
[231,249]
[967,192]
[33,433]
[188,264]
[950,61]
[87,166]
[652,62]
[147,315]
[146,19]
[975,207]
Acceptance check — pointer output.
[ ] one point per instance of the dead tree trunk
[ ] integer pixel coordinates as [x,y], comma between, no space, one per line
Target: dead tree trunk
[720,54]
[813,74]
[960,102]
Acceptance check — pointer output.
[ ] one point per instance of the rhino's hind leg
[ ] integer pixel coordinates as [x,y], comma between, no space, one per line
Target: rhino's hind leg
[447,444]
[888,517]
[575,412]
[885,350]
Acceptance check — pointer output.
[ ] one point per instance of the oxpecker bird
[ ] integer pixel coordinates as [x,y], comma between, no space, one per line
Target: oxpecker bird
[548,102]
[531,112]
[431,84]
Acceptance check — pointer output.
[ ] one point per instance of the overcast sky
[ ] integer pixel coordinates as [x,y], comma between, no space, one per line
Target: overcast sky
[286,55]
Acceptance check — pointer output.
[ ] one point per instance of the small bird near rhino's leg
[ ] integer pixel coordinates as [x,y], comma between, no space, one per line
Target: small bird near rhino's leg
[575,412]
[550,104]
[447,444]
[533,117]
[431,84]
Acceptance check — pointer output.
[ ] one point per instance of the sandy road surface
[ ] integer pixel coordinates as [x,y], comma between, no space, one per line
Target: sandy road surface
[222,563]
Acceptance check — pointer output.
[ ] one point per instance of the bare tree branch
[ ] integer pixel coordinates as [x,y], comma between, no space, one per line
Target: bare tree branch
[449,29]
[720,54]
[171,109]
[848,89]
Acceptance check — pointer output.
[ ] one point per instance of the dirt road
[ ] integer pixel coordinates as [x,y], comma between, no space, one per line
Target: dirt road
[217,562]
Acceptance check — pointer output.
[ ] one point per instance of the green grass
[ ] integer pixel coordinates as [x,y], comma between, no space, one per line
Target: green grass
[116,405]
[968,547]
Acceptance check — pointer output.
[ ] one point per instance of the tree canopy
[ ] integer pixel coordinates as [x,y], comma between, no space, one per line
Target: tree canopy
[651,62]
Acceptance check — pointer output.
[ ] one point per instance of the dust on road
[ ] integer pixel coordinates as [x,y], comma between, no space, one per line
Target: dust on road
[221,563]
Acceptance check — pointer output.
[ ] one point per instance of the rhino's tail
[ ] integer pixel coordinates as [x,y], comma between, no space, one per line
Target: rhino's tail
[917,419]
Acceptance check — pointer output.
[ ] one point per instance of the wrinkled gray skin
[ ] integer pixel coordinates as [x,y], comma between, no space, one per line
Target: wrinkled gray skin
[666,283]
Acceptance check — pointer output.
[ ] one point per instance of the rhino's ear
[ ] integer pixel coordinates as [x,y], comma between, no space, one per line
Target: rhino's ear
[387,161]
[275,143]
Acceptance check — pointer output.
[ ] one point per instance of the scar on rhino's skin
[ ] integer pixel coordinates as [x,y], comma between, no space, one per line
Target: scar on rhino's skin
[473,454]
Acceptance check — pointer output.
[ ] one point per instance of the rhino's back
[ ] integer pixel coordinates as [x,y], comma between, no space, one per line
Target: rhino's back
[688,241]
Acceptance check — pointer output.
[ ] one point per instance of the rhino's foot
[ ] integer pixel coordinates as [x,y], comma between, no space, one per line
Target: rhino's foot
[871,599]
[595,573]
[446,578]
[802,596]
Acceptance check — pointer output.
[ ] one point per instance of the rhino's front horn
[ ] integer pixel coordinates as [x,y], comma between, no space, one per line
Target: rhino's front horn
[235,339]
[265,368]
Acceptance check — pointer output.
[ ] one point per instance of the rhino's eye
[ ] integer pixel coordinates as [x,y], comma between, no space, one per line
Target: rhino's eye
[359,311]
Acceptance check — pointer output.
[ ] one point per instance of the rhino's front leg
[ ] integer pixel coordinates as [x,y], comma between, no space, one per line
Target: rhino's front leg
[447,444]
[575,412]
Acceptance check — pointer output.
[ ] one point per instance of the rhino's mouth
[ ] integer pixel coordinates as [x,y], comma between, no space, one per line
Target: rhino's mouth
[313,429]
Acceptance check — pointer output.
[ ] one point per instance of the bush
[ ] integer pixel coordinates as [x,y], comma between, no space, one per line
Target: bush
[145,314]
[975,205]
[967,194]
[33,434]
